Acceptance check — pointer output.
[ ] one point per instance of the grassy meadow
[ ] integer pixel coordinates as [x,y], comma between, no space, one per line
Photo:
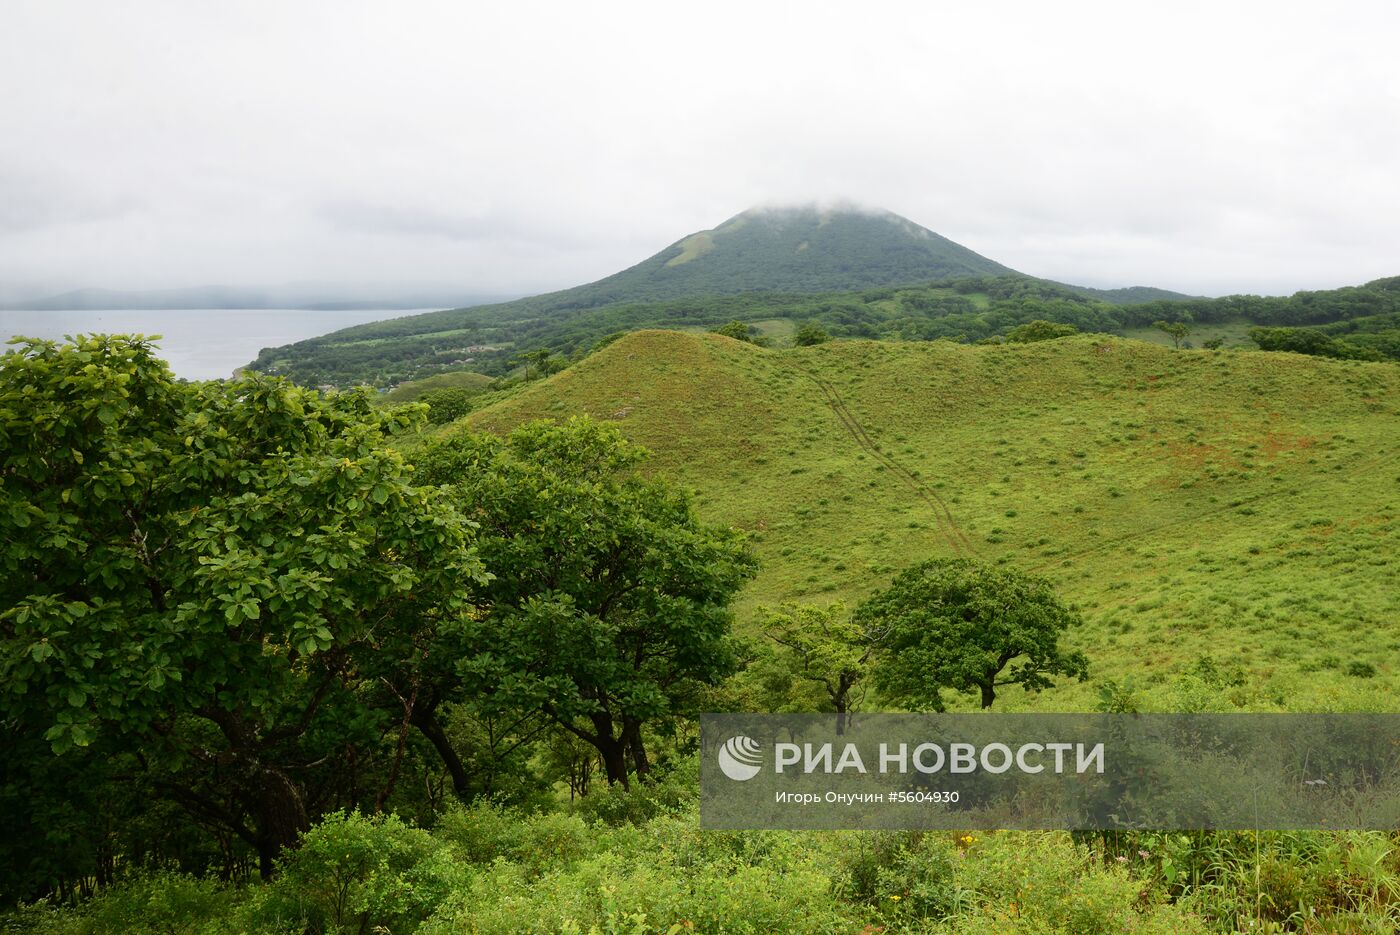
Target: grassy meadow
[1239,506]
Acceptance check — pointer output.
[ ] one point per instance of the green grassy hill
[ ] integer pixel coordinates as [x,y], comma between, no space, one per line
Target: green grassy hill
[457,380]
[1242,506]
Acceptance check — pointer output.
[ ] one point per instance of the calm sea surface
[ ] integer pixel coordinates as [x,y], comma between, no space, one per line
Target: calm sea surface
[200,344]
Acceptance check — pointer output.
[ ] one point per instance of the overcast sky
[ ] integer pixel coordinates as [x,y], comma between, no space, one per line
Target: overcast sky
[520,146]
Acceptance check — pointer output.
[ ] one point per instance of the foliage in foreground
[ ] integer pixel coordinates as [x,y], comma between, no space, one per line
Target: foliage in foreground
[232,609]
[636,862]
[207,583]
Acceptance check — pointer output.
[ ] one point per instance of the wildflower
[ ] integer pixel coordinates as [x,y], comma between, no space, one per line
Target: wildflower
[895,897]
[1144,854]
[1121,859]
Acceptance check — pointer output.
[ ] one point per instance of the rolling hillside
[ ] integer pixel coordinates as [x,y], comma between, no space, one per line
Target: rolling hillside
[1241,506]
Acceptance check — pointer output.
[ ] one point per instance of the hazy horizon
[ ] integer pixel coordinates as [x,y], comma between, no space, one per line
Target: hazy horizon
[528,148]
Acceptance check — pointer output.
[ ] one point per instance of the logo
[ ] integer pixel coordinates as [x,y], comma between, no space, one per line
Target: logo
[740,758]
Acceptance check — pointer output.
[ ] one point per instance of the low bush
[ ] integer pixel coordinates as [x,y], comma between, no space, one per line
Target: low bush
[358,874]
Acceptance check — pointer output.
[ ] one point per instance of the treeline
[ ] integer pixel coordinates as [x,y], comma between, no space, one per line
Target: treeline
[970,309]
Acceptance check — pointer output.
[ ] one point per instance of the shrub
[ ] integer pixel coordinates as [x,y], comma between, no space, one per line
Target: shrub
[665,795]
[353,873]
[1038,330]
[667,876]
[483,833]
[448,405]
[1119,697]
[1043,883]
[154,904]
[735,329]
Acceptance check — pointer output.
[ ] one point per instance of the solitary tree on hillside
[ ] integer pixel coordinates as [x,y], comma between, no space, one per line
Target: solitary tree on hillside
[960,625]
[1176,330]
[538,358]
[822,645]
[810,333]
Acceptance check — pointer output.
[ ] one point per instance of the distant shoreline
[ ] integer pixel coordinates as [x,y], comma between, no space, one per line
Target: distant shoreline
[198,343]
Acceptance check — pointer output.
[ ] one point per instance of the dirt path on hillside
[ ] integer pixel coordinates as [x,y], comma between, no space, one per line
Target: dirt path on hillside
[943,517]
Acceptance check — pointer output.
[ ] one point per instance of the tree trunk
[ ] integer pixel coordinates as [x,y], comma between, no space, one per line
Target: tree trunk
[276,802]
[614,754]
[841,701]
[612,749]
[425,719]
[640,763]
[281,816]
[989,694]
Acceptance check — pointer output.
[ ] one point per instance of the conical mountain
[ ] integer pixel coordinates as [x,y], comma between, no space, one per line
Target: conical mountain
[804,250]
[796,249]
